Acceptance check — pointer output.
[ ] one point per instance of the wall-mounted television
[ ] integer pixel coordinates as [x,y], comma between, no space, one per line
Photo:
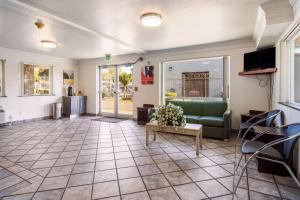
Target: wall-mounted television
[261,59]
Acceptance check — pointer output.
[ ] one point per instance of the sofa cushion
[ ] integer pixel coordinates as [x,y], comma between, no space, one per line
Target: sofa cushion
[194,119]
[189,107]
[214,108]
[211,121]
[201,108]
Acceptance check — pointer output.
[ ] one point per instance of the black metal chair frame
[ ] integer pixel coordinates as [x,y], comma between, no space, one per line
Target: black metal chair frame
[254,124]
[255,138]
[248,128]
[294,137]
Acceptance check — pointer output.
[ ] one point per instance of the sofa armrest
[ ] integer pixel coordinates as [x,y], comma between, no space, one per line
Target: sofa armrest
[227,124]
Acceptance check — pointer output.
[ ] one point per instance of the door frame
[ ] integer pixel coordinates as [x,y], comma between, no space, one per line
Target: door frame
[116,95]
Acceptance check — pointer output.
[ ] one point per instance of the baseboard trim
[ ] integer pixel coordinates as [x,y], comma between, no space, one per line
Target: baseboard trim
[90,114]
[25,121]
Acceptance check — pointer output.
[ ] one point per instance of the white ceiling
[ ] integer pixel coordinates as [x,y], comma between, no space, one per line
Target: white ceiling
[89,29]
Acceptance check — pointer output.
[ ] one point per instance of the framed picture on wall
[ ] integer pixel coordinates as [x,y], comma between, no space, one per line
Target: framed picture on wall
[68,77]
[147,75]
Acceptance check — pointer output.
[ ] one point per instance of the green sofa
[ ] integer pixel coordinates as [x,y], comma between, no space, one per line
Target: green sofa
[213,115]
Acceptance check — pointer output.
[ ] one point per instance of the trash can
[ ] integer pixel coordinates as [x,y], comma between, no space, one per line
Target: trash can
[56,110]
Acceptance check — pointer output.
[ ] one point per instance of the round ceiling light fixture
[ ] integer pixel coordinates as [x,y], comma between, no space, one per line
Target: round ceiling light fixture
[49,44]
[151,19]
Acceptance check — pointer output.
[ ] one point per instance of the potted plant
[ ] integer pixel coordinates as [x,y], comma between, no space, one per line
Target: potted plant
[169,115]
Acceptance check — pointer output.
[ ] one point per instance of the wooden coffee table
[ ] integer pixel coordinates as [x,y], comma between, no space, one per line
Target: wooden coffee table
[189,129]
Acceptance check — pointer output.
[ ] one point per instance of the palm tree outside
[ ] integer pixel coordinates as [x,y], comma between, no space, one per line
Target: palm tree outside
[125,79]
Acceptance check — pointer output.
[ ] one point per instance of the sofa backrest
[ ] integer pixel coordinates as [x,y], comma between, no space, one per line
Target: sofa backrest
[201,108]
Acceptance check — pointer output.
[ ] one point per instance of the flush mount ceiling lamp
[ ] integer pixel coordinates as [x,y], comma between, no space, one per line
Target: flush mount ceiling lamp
[151,19]
[49,44]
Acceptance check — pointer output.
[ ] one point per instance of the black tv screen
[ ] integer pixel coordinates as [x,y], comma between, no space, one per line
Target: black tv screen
[260,59]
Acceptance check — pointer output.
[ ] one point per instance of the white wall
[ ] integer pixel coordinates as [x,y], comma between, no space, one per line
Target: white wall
[20,108]
[245,91]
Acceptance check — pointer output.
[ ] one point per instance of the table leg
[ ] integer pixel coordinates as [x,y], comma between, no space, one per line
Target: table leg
[147,137]
[201,138]
[197,143]
[154,132]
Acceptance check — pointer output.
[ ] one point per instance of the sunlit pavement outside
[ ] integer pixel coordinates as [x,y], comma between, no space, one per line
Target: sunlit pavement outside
[125,106]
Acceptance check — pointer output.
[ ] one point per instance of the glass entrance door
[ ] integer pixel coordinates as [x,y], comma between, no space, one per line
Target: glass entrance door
[107,88]
[125,102]
[116,91]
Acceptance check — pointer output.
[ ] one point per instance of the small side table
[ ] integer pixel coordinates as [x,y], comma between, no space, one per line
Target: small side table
[247,116]
[143,113]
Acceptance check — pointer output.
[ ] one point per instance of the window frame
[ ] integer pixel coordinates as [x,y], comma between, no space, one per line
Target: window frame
[51,93]
[291,67]
[2,94]
[225,84]
[285,59]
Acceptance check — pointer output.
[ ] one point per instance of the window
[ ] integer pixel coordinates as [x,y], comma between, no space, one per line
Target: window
[295,72]
[194,79]
[289,51]
[2,89]
[37,80]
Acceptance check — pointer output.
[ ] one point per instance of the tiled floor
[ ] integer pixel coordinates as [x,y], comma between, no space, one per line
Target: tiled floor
[85,159]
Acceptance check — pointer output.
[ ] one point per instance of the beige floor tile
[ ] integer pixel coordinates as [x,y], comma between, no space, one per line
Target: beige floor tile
[155,181]
[136,196]
[163,193]
[189,192]
[78,193]
[54,183]
[263,187]
[83,167]
[216,171]
[105,175]
[105,165]
[81,179]
[212,188]
[198,174]
[60,171]
[131,185]
[168,167]
[128,172]
[148,169]
[177,178]
[52,194]
[127,162]
[105,189]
